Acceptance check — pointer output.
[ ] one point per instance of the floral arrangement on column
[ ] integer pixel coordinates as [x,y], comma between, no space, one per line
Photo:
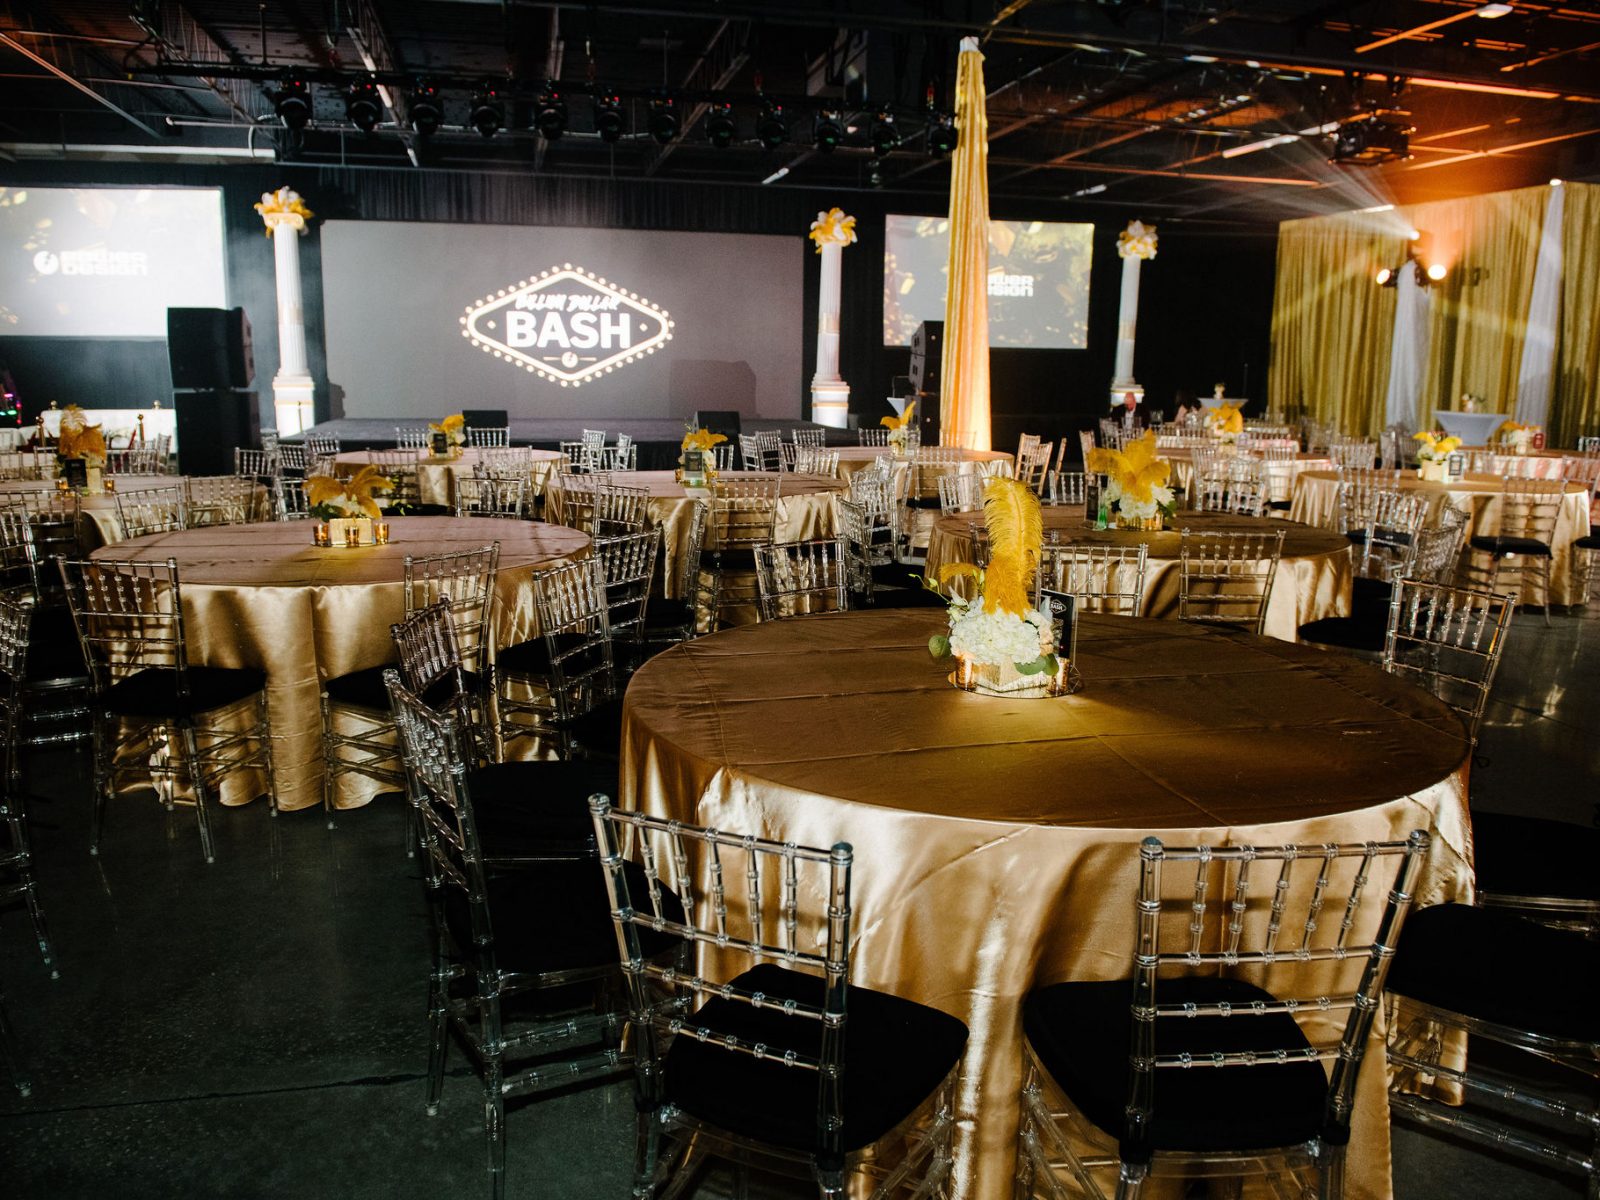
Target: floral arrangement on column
[833,228]
[900,429]
[1001,644]
[1137,488]
[1433,455]
[284,207]
[1138,240]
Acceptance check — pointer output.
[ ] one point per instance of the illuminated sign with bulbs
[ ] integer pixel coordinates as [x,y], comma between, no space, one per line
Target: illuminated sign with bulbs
[567,325]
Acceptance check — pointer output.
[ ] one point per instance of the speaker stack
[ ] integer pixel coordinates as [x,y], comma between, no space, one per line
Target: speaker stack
[212,366]
[927,357]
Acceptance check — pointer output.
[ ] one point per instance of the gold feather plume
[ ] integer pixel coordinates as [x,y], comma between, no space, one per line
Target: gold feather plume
[1016,530]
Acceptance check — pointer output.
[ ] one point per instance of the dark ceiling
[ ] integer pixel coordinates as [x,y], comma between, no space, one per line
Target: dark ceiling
[1163,107]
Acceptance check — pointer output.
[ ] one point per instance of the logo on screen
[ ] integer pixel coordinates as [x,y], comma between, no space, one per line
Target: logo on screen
[567,325]
[46,263]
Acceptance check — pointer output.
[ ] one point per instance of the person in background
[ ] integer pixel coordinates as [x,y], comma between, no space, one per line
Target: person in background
[1131,417]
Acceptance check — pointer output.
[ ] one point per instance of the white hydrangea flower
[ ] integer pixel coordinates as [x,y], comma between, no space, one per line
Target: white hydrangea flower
[997,637]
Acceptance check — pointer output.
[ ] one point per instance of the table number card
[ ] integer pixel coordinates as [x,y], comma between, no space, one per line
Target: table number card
[1091,500]
[1060,606]
[1456,465]
[441,445]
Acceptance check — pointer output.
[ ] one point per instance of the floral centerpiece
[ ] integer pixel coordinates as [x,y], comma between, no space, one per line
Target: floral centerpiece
[1515,436]
[697,464]
[348,503]
[1137,488]
[1225,422]
[900,429]
[454,430]
[1433,455]
[81,441]
[1002,645]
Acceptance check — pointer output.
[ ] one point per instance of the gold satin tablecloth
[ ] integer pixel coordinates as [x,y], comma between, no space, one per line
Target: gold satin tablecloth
[1316,502]
[262,596]
[1535,464]
[1280,475]
[805,511]
[436,477]
[100,525]
[996,840]
[854,458]
[1313,580]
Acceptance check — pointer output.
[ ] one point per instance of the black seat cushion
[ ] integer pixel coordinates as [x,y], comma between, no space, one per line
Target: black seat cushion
[1347,633]
[532,657]
[1587,542]
[737,558]
[556,916]
[1502,547]
[599,730]
[364,688]
[54,651]
[153,692]
[898,574]
[536,807]
[667,615]
[1496,966]
[1526,856]
[924,502]
[1368,595]
[896,1052]
[1082,1033]
[907,598]
[1280,505]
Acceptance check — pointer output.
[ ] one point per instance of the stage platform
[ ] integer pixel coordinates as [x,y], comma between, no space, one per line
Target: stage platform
[658,438]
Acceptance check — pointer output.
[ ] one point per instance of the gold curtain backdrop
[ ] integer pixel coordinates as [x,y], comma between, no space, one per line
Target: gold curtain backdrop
[1332,325]
[964,401]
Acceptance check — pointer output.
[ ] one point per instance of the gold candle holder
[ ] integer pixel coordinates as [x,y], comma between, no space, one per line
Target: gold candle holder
[380,532]
[110,484]
[352,536]
[321,535]
[62,485]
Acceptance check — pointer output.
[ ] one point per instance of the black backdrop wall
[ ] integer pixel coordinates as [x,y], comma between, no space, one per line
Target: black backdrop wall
[1204,315]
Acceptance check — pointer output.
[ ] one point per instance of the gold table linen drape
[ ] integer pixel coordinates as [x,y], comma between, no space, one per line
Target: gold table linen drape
[1316,500]
[805,511]
[1280,475]
[1314,578]
[996,839]
[262,596]
[436,478]
[100,525]
[964,363]
[856,458]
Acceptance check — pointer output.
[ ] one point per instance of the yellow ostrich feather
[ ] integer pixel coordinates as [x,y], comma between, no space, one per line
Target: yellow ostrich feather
[1016,530]
[902,420]
[320,489]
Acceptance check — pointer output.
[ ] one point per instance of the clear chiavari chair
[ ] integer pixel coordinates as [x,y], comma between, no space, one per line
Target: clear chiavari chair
[743,516]
[1356,496]
[1439,547]
[148,459]
[1353,452]
[580,458]
[619,511]
[16,857]
[675,618]
[1209,1059]
[499,938]
[19,464]
[1448,641]
[1031,465]
[815,438]
[152,510]
[750,453]
[259,465]
[293,459]
[56,521]
[928,466]
[146,695]
[629,562]
[814,460]
[773,1056]
[1389,540]
[1105,579]
[801,578]
[1065,488]
[624,456]
[1523,539]
[595,439]
[506,460]
[960,494]
[321,445]
[1228,492]
[485,435]
[770,443]
[220,500]
[412,437]
[290,502]
[357,733]
[501,496]
[1226,578]
[872,436]
[400,468]
[1521,991]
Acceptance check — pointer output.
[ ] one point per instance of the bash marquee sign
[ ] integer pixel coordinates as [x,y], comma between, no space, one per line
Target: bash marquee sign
[567,325]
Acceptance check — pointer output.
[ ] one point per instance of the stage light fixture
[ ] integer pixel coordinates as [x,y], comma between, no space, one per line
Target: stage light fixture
[608,116]
[293,102]
[1437,272]
[663,119]
[362,105]
[828,131]
[1370,141]
[488,111]
[883,134]
[550,113]
[424,108]
[720,126]
[942,134]
[772,130]
[1387,277]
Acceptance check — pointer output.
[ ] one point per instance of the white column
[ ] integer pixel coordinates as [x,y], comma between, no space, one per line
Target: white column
[1134,244]
[830,394]
[292,388]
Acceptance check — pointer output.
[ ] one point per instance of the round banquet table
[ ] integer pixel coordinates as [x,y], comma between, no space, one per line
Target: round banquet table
[1534,464]
[1280,475]
[1316,502]
[855,458]
[436,477]
[805,510]
[263,596]
[1313,580]
[100,525]
[996,840]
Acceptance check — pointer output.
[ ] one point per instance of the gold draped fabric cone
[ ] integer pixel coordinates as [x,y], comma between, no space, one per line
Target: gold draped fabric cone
[964,402]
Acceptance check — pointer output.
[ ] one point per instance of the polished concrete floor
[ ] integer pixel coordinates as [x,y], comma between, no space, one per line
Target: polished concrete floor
[255,1028]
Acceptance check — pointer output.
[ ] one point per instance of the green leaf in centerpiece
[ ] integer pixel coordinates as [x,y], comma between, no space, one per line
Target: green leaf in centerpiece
[1030,668]
[939,645]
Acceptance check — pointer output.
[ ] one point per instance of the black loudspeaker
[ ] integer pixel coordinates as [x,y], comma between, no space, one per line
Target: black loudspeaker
[210,424]
[927,352]
[719,420]
[210,348]
[928,417]
[485,418]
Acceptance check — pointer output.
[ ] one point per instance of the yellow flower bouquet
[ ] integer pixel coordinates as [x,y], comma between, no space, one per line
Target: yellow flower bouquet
[454,429]
[697,463]
[1516,436]
[1002,645]
[79,439]
[332,499]
[1138,482]
[900,428]
[1225,421]
[1433,454]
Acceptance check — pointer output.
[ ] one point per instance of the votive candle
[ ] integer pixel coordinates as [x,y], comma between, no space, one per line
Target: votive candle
[321,534]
